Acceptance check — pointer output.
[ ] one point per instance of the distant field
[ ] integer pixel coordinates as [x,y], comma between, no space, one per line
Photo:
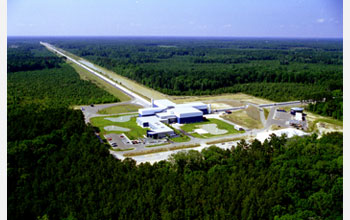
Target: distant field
[119,109]
[242,118]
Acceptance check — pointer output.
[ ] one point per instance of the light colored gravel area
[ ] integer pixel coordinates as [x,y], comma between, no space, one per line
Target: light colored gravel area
[115,128]
[200,131]
[121,118]
[213,129]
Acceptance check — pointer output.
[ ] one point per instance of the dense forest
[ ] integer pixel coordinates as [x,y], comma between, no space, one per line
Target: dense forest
[37,75]
[58,169]
[62,171]
[276,69]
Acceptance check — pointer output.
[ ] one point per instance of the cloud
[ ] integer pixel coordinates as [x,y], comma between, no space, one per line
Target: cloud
[320,20]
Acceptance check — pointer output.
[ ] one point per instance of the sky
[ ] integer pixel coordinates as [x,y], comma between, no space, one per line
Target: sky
[229,18]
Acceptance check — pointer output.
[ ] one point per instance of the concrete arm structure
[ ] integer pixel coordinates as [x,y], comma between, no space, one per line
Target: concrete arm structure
[125,90]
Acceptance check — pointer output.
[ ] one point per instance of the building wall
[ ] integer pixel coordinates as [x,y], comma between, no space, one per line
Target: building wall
[189,120]
[205,111]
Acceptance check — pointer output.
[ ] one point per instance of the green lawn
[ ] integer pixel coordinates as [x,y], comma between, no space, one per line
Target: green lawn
[181,138]
[124,108]
[220,124]
[134,133]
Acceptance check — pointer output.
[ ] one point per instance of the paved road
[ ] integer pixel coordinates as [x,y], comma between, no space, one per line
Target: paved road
[140,99]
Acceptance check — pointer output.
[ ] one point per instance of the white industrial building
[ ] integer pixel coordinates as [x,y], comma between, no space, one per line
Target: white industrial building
[165,112]
[157,128]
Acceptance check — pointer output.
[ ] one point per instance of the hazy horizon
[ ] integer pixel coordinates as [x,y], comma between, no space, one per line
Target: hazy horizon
[152,18]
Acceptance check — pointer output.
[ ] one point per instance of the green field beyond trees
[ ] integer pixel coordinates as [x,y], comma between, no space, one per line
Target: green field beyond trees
[57,168]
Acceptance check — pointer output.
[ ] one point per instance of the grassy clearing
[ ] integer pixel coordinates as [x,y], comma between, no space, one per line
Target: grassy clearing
[266,112]
[241,117]
[253,112]
[86,75]
[181,138]
[158,150]
[134,133]
[220,124]
[329,123]
[236,97]
[123,108]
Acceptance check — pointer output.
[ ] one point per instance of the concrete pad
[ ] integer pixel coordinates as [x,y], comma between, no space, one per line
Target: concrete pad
[200,131]
[115,128]
[120,119]
[212,129]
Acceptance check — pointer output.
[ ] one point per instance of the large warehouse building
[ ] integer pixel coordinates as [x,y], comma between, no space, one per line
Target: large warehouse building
[165,112]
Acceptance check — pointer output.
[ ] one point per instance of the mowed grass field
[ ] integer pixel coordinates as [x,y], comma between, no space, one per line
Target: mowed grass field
[189,128]
[135,130]
[123,108]
[244,119]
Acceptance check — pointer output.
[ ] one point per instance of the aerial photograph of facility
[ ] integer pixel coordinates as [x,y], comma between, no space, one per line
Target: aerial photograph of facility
[173,109]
